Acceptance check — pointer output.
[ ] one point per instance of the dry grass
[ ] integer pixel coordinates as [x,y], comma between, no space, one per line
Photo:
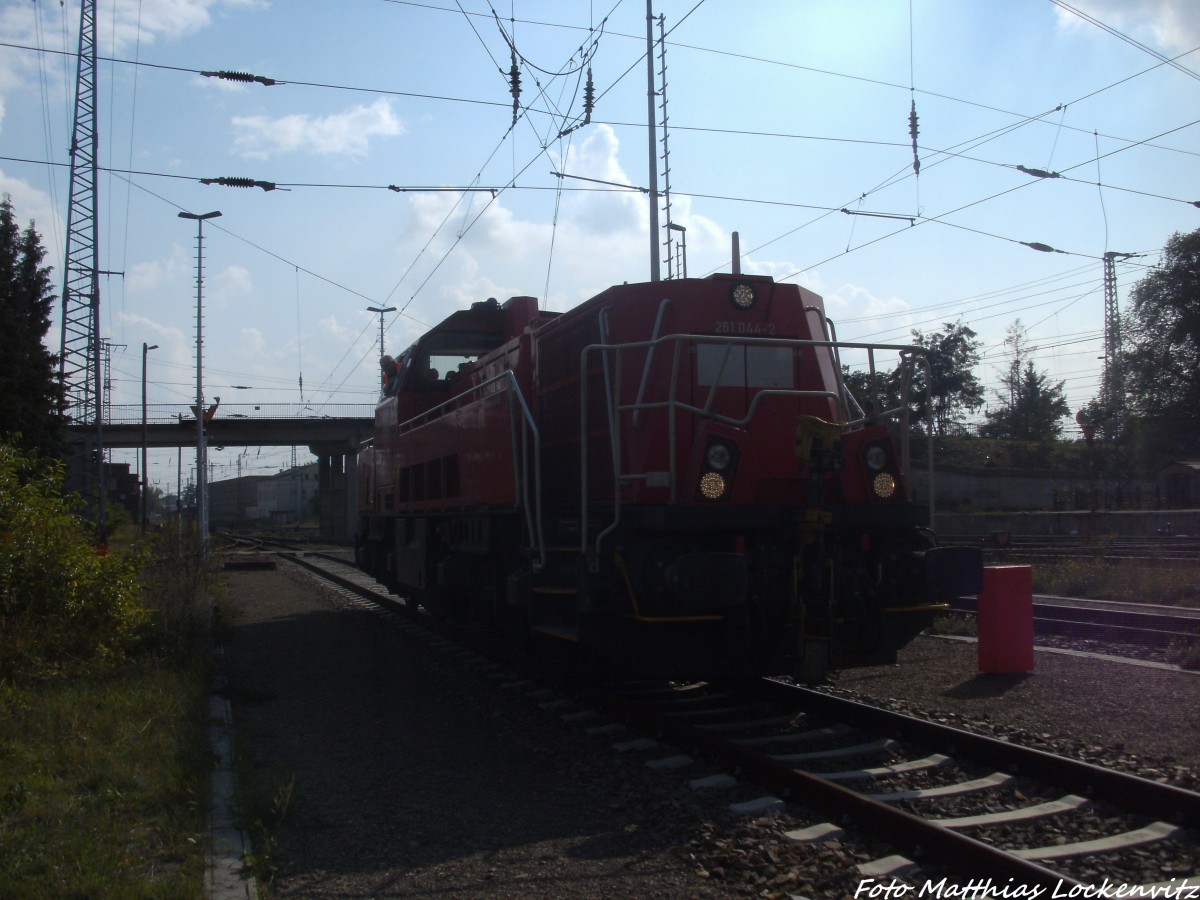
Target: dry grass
[1133,581]
[105,785]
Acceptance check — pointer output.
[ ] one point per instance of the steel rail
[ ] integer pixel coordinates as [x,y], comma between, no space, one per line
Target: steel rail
[1130,626]
[1166,801]
[920,838]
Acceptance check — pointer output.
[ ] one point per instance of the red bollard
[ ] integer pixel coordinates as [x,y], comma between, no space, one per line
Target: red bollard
[1004,614]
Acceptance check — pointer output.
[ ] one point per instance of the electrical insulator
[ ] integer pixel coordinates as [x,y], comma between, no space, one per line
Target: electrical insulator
[912,130]
[589,98]
[240,182]
[240,76]
[1038,173]
[514,82]
[1039,246]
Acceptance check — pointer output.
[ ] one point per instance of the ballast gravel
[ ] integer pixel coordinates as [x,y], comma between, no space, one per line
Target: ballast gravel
[375,764]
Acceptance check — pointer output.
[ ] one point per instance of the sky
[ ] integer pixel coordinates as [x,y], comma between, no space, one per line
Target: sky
[402,180]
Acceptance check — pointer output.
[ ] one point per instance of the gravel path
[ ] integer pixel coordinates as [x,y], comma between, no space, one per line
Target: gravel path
[410,775]
[1143,719]
[414,777]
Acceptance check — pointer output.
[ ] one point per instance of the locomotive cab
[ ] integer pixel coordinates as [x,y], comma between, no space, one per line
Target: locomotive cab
[429,369]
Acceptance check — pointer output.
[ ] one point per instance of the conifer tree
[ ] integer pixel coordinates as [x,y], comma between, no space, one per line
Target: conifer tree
[29,389]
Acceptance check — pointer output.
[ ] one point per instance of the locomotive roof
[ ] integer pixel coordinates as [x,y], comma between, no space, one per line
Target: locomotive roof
[484,319]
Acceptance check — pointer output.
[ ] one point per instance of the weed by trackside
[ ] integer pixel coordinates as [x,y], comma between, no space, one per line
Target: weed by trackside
[263,800]
[955,625]
[1184,653]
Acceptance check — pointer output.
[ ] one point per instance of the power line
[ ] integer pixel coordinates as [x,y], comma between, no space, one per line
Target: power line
[1126,38]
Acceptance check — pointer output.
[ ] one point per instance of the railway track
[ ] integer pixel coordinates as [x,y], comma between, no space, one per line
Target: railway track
[1129,623]
[945,798]
[951,804]
[1166,550]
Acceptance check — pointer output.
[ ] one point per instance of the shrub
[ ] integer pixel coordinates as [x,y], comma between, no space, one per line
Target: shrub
[61,600]
[181,593]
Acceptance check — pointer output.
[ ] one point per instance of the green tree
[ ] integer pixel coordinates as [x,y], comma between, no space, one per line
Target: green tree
[953,354]
[1162,362]
[874,393]
[1030,408]
[29,391]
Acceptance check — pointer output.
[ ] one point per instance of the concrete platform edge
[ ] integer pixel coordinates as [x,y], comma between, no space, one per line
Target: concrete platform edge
[227,875]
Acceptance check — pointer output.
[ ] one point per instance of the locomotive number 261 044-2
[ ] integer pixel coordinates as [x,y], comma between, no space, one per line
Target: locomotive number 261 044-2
[756,329]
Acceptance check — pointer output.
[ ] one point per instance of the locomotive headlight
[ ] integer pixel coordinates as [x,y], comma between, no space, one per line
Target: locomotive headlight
[876,458]
[712,486]
[743,296]
[884,485]
[719,457]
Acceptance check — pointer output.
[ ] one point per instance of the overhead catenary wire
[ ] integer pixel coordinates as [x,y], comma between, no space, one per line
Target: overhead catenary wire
[942,216]
[1126,38]
[66,54]
[494,103]
[559,186]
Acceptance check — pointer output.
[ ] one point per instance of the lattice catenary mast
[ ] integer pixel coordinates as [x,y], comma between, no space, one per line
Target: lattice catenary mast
[79,356]
[79,359]
[1114,377]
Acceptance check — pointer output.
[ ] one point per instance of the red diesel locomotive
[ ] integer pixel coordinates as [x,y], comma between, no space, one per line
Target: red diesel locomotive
[670,477]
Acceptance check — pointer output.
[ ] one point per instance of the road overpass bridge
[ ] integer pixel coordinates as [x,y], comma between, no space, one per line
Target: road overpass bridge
[333,433]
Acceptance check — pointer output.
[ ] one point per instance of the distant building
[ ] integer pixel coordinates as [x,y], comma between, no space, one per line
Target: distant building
[288,497]
[122,486]
[235,501]
[1179,484]
[282,499]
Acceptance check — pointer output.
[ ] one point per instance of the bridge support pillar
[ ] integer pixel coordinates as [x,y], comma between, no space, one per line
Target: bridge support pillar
[337,493]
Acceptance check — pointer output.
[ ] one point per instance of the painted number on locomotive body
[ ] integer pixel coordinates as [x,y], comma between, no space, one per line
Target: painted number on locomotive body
[752,329]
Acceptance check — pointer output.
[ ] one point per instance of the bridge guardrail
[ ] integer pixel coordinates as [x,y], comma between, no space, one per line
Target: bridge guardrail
[172,413]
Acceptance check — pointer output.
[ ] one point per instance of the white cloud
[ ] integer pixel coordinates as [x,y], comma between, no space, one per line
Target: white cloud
[338,335]
[131,22]
[256,346]
[31,204]
[151,275]
[346,133]
[859,312]
[123,24]
[231,283]
[121,28]
[605,210]
[1172,25]
[164,335]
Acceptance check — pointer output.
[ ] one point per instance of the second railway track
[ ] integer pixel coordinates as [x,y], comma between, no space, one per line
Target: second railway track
[1130,623]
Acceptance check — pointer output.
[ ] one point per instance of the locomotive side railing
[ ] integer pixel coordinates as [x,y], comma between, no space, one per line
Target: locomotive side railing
[521,437]
[840,398]
[908,357]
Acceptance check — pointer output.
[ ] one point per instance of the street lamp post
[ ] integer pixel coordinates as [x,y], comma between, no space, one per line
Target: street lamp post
[671,226]
[381,310]
[146,348]
[201,450]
